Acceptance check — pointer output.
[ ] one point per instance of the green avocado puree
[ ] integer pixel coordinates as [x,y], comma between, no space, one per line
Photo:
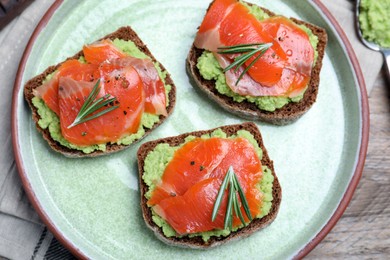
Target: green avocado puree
[210,69]
[49,120]
[374,21]
[157,160]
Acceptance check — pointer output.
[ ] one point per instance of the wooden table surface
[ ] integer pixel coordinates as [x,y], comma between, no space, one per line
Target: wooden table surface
[363,232]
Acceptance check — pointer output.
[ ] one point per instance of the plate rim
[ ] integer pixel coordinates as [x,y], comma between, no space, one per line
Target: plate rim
[364,106]
[347,197]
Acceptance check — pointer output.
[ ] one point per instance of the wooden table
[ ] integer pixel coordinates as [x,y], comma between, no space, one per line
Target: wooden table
[364,229]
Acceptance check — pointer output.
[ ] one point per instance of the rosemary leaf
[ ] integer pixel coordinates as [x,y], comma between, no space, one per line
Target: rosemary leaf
[218,200]
[92,96]
[237,209]
[98,114]
[248,67]
[99,103]
[242,197]
[248,51]
[229,209]
[243,58]
[240,45]
[231,183]
[91,105]
[236,50]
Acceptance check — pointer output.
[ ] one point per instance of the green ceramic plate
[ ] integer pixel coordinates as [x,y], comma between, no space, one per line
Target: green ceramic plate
[92,205]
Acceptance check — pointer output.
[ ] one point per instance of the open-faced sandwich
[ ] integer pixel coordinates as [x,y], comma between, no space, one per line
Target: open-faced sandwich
[205,188]
[256,64]
[110,94]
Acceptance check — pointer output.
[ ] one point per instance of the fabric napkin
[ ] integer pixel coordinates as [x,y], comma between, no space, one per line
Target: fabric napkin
[22,234]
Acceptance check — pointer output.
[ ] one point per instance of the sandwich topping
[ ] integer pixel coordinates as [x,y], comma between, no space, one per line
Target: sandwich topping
[248,51]
[126,87]
[232,183]
[283,70]
[210,184]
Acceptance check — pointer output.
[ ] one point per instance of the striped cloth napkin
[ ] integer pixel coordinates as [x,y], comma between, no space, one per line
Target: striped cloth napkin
[22,234]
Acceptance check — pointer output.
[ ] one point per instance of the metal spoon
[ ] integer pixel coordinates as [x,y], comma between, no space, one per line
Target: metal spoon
[372,45]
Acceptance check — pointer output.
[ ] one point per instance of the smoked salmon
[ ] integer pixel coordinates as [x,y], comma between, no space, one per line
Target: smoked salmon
[133,82]
[283,70]
[188,189]
[121,83]
[71,68]
[155,102]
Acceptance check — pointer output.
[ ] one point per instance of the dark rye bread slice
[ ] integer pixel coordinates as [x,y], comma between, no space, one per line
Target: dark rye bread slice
[197,242]
[124,33]
[285,115]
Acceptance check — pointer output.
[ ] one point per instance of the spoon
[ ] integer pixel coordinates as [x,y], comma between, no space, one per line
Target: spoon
[372,45]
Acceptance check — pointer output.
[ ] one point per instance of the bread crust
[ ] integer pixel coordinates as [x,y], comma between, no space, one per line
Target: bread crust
[197,242]
[124,33]
[285,115]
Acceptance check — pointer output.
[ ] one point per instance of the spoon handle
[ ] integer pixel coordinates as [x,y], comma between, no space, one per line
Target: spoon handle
[386,55]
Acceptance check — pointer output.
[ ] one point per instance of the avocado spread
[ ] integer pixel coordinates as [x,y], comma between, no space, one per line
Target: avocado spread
[157,160]
[51,121]
[374,21]
[210,69]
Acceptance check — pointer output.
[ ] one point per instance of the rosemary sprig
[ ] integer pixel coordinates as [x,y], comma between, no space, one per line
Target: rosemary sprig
[231,180]
[248,51]
[91,105]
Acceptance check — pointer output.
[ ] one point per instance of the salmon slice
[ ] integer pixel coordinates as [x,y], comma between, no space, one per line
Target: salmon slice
[102,51]
[72,69]
[105,51]
[119,82]
[229,23]
[215,14]
[241,27]
[190,183]
[191,213]
[208,35]
[135,84]
[294,42]
[155,99]
[190,164]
